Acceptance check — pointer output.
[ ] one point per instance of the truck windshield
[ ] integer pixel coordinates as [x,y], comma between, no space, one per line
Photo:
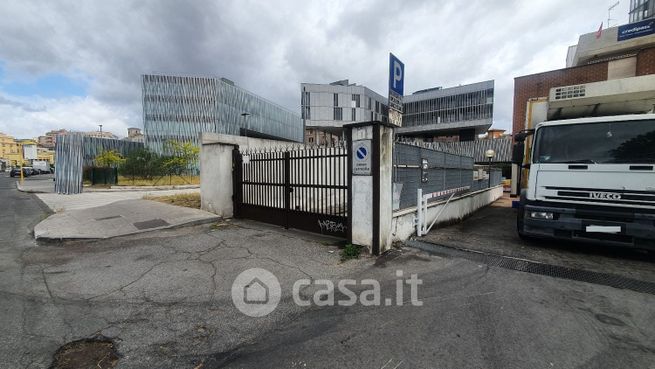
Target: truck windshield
[596,143]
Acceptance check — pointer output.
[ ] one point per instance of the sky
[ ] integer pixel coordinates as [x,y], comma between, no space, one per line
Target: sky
[77,64]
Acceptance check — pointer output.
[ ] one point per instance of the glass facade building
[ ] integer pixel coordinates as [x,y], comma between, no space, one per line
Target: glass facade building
[180,108]
[327,107]
[458,113]
[641,9]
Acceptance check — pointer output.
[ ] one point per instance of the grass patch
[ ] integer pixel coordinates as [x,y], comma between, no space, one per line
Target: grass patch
[163,181]
[351,251]
[189,200]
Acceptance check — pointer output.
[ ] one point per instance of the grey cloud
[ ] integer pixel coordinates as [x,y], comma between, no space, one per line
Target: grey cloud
[20,105]
[270,47]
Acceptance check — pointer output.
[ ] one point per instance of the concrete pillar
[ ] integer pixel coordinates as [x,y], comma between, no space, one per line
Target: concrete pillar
[216,185]
[370,193]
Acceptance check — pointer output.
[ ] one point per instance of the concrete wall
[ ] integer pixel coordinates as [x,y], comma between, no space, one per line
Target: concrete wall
[386,189]
[403,226]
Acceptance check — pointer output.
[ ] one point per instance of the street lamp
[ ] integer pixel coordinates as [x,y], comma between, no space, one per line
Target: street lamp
[489,154]
[245,118]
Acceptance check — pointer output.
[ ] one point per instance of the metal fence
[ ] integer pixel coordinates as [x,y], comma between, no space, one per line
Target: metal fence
[443,172]
[74,151]
[69,158]
[303,188]
[476,149]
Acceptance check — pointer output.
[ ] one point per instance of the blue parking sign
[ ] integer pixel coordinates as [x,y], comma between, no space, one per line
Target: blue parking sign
[396,75]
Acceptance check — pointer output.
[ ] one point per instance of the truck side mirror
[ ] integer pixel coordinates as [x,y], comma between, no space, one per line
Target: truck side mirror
[517,152]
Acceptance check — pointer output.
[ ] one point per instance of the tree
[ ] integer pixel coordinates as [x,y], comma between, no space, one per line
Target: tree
[109,159]
[183,156]
[142,163]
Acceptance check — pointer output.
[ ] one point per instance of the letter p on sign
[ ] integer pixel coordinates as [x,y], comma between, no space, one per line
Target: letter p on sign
[396,75]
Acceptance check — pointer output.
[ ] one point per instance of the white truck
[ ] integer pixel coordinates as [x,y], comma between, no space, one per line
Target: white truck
[41,165]
[590,179]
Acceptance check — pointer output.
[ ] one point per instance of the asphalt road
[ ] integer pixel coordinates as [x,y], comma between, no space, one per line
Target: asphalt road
[493,230]
[165,301]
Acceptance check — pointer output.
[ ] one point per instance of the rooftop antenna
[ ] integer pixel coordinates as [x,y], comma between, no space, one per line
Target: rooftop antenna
[609,13]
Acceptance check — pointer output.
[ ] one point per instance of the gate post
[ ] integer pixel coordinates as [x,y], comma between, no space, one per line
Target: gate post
[287,187]
[370,194]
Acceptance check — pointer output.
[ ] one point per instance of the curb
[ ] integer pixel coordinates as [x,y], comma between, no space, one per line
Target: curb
[20,188]
[140,188]
[173,226]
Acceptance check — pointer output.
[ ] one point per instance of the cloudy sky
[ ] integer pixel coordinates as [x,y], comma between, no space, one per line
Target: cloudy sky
[77,64]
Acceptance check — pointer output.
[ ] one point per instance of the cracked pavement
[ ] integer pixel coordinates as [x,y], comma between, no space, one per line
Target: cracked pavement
[165,299]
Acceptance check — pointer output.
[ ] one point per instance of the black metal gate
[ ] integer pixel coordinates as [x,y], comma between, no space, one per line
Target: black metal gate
[304,188]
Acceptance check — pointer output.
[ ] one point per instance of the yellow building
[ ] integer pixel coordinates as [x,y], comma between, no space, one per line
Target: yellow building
[11,150]
[46,154]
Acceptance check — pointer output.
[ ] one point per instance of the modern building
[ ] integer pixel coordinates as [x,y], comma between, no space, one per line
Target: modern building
[180,108]
[327,107]
[641,9]
[50,138]
[448,114]
[608,72]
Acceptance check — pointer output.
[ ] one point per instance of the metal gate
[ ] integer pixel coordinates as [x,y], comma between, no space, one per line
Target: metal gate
[303,188]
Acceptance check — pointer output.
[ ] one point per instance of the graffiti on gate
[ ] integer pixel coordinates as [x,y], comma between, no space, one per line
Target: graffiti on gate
[331,226]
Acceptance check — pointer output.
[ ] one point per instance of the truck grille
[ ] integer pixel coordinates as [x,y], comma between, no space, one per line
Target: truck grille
[604,196]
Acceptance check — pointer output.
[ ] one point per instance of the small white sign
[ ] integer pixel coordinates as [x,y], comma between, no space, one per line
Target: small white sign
[603,229]
[362,157]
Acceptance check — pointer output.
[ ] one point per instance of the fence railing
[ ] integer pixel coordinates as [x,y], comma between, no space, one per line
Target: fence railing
[433,171]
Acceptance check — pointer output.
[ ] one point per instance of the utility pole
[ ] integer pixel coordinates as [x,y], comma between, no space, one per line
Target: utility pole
[609,13]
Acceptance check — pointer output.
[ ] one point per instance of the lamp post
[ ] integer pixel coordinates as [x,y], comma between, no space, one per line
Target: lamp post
[245,118]
[489,154]
[100,125]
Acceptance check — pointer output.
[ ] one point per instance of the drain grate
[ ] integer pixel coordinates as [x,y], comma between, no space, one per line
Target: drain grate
[152,223]
[527,266]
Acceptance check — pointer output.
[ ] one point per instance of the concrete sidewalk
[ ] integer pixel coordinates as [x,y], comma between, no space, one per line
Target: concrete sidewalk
[59,203]
[118,219]
[42,183]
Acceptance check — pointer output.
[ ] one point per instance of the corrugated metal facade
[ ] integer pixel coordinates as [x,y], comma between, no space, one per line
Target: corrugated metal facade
[180,108]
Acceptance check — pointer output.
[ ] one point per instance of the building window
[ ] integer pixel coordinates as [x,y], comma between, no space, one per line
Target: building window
[377,106]
[310,140]
[356,100]
[338,114]
[354,114]
[306,98]
[336,99]
[306,113]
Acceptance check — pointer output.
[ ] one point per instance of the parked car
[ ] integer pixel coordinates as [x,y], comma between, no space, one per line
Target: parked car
[31,170]
[15,172]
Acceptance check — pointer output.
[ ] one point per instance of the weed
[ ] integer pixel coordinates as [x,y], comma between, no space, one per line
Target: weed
[350,251]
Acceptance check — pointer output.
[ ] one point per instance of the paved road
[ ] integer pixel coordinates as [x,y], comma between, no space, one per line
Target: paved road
[165,300]
[493,230]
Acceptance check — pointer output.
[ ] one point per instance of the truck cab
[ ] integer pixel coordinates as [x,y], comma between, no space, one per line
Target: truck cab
[591,179]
